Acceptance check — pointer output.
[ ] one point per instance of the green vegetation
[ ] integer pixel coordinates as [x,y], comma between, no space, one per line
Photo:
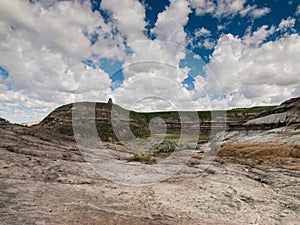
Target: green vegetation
[166,146]
[146,117]
[209,171]
[203,138]
[105,132]
[204,114]
[256,109]
[144,157]
[162,150]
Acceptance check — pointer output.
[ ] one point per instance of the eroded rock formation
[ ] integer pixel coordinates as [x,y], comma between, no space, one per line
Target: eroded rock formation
[255,179]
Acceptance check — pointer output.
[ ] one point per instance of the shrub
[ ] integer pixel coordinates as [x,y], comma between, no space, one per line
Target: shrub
[166,146]
[209,171]
[144,157]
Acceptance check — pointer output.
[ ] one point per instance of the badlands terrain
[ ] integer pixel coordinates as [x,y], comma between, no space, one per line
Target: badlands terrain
[253,179]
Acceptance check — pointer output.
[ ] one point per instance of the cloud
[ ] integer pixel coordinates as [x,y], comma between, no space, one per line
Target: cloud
[169,29]
[220,27]
[203,6]
[43,44]
[227,8]
[48,42]
[256,13]
[202,32]
[129,16]
[258,36]
[255,74]
[286,24]
[297,13]
[202,38]
[149,56]
[42,49]
[157,89]
[209,44]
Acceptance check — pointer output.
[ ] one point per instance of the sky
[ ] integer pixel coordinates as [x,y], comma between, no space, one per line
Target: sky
[147,55]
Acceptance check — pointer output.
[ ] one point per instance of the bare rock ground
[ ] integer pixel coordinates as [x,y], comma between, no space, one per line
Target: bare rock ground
[45,180]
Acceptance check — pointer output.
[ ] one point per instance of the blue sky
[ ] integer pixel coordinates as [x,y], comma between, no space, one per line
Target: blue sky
[193,54]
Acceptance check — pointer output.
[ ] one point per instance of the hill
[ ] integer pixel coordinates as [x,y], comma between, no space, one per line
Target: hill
[61,119]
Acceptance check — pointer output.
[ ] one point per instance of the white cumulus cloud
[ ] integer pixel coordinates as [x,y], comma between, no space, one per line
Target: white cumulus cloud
[129,16]
[255,75]
[169,29]
[42,49]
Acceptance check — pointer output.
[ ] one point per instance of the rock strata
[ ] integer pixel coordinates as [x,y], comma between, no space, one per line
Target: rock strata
[285,114]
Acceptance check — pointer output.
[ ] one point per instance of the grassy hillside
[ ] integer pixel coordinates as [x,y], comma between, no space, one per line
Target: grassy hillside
[174,115]
[256,109]
[61,120]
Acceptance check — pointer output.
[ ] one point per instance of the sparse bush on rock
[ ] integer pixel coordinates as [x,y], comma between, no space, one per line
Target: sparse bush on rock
[167,146]
[144,157]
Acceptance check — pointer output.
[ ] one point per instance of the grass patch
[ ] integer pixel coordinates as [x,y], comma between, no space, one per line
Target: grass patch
[256,109]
